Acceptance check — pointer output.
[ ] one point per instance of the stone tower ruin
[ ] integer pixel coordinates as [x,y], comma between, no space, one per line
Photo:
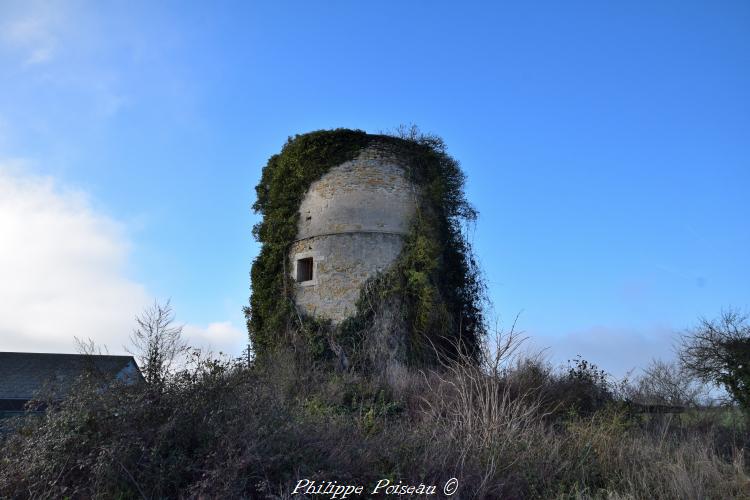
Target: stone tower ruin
[352,224]
[350,216]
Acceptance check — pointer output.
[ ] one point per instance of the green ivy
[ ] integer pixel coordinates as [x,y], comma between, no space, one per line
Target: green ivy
[435,280]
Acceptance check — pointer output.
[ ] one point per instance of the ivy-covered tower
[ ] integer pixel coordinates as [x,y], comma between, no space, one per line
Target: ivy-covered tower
[352,224]
[363,250]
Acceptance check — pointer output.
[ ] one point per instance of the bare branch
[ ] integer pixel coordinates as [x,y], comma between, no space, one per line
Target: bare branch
[156,342]
[718,352]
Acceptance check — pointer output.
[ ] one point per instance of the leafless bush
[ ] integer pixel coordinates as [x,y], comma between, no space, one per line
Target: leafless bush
[156,342]
[668,384]
[225,429]
[474,407]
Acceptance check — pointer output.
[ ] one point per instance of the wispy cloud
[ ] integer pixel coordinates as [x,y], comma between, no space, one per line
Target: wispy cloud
[34,32]
[55,48]
[616,350]
[217,337]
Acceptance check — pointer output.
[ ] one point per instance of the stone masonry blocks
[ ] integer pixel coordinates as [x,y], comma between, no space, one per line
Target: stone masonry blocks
[352,223]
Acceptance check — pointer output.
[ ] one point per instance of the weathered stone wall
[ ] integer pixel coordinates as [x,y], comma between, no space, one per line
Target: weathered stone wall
[370,193]
[352,223]
[341,264]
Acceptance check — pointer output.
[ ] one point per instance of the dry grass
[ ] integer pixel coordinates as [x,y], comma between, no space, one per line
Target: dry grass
[509,428]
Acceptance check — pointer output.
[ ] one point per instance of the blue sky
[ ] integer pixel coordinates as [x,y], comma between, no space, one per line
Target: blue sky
[607,148]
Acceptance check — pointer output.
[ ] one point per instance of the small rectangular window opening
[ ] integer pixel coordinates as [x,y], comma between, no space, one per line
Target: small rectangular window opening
[304,269]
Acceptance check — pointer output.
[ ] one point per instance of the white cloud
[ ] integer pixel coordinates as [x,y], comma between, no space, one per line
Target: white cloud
[63,273]
[217,337]
[60,47]
[62,268]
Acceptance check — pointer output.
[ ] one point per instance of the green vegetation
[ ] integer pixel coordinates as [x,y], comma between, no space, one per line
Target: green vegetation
[434,287]
[284,181]
[509,428]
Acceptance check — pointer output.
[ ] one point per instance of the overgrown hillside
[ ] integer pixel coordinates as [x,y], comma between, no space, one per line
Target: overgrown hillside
[512,428]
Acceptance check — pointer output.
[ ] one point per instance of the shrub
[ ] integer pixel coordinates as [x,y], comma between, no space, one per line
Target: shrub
[718,352]
[220,428]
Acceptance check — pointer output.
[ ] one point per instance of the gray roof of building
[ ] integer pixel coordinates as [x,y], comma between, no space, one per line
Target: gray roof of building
[24,374]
